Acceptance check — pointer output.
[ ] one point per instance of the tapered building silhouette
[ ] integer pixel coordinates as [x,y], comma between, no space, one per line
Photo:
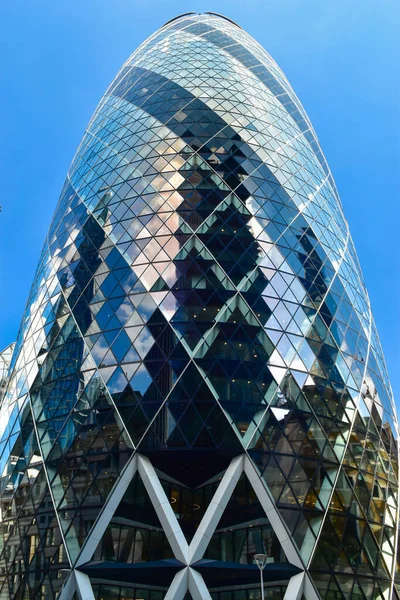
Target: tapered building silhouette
[197,377]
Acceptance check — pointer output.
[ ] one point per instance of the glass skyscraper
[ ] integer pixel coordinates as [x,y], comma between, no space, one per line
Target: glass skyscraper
[198,377]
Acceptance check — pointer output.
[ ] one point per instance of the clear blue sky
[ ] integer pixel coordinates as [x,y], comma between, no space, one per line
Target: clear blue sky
[341,57]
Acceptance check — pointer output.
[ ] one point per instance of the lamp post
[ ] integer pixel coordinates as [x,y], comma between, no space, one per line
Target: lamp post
[261,561]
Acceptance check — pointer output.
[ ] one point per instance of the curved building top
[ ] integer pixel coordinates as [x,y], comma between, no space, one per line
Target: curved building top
[210,59]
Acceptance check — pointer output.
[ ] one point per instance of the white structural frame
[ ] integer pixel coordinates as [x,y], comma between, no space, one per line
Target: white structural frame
[188,578]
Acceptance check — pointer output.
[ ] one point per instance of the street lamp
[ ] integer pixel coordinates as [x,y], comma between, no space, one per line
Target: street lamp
[261,560]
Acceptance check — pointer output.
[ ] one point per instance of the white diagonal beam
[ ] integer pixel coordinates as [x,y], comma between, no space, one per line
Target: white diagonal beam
[163,509]
[69,587]
[83,586]
[309,590]
[197,586]
[180,583]
[294,590]
[107,512]
[273,514]
[215,509]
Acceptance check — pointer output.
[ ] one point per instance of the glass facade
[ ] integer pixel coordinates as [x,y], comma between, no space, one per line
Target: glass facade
[198,377]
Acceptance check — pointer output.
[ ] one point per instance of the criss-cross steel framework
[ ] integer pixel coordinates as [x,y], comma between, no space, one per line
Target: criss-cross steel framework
[198,302]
